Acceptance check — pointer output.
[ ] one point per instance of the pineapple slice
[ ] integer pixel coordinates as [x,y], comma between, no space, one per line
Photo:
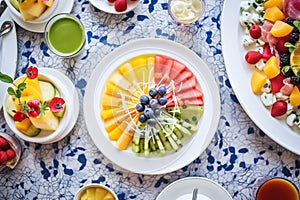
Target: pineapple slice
[31,9]
[48,121]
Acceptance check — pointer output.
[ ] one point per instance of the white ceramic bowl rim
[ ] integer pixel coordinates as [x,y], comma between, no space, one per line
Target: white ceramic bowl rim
[43,18]
[63,122]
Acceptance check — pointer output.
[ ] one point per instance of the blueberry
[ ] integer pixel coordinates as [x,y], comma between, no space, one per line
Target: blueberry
[152,122]
[144,99]
[162,90]
[153,92]
[162,101]
[149,112]
[153,103]
[142,118]
[140,107]
[157,112]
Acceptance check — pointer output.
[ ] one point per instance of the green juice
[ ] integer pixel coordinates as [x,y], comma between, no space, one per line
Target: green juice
[66,36]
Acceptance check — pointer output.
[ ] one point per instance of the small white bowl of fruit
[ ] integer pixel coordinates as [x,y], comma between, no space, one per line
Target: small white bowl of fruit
[95,191]
[38,107]
[32,11]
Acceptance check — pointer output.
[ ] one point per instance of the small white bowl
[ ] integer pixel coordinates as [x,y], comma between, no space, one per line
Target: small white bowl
[42,19]
[93,185]
[47,137]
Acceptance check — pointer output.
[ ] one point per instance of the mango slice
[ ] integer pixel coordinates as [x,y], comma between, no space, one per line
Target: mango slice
[258,80]
[273,14]
[271,67]
[281,29]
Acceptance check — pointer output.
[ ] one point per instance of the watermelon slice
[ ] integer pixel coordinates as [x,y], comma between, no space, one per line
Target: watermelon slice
[162,69]
[176,69]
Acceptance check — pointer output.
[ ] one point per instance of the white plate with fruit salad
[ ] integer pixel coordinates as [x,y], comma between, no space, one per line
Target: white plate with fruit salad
[155,108]
[115,6]
[46,109]
[8,54]
[261,68]
[37,24]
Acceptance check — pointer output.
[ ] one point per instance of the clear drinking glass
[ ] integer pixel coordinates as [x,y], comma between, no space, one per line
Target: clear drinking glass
[186,11]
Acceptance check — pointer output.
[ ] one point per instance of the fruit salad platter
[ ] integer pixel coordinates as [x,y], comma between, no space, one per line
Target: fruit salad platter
[268,47]
[38,107]
[156,109]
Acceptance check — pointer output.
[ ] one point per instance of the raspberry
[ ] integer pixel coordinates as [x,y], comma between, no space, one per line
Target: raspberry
[294,37]
[3,157]
[10,154]
[253,57]
[3,143]
[255,31]
[285,59]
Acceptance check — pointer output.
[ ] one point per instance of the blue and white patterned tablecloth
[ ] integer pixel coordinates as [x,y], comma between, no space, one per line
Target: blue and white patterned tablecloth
[237,158]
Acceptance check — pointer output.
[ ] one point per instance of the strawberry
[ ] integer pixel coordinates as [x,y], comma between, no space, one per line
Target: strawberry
[111,1]
[120,5]
[10,154]
[277,83]
[279,108]
[3,157]
[255,31]
[19,116]
[267,52]
[253,57]
[3,143]
[34,103]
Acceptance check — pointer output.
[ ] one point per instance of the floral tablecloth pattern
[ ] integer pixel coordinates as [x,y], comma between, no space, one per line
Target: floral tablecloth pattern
[239,157]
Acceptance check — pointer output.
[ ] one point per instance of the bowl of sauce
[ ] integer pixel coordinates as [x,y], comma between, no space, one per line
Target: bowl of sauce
[65,35]
[277,189]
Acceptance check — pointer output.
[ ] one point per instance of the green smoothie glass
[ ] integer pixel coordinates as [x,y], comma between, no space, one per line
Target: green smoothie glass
[65,35]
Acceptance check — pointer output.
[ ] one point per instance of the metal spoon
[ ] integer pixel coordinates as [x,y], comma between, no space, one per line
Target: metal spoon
[6,27]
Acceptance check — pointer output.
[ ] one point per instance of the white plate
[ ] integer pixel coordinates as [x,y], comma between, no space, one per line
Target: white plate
[8,54]
[68,92]
[62,7]
[105,6]
[239,75]
[184,188]
[127,159]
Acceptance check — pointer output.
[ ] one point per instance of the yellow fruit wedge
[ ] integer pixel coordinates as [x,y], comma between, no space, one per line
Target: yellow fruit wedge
[112,123]
[139,65]
[281,29]
[84,196]
[258,80]
[120,81]
[109,196]
[31,9]
[117,132]
[100,193]
[32,86]
[23,125]
[124,140]
[271,67]
[272,3]
[48,3]
[91,193]
[48,121]
[273,14]
[150,66]
[115,91]
[127,71]
[295,96]
[295,59]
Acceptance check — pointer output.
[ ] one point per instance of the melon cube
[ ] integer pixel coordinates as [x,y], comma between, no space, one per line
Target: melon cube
[271,68]
[295,96]
[48,2]
[281,29]
[273,14]
[272,3]
[258,80]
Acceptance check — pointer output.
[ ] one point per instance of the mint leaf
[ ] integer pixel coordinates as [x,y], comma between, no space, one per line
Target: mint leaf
[297,24]
[5,78]
[11,91]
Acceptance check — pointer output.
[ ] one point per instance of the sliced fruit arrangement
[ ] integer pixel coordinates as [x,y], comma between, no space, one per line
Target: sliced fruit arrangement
[153,103]
[34,104]
[97,193]
[31,9]
[7,153]
[274,54]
